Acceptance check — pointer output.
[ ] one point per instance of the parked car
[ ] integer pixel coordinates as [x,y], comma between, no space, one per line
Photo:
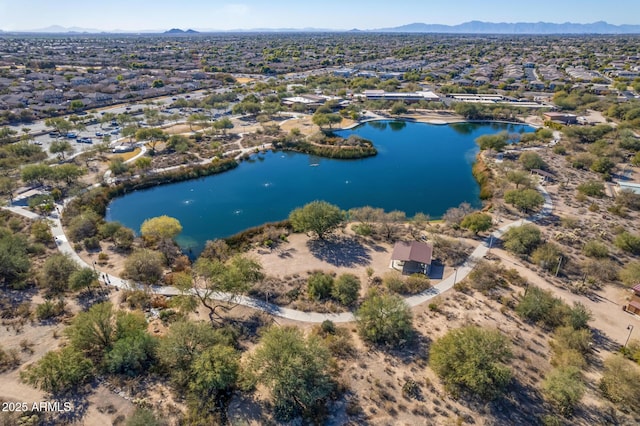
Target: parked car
[115,132]
[85,140]
[99,134]
[54,134]
[71,135]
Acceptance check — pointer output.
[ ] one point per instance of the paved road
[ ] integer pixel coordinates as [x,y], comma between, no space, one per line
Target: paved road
[312,317]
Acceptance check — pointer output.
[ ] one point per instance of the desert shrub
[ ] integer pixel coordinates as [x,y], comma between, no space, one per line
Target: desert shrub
[540,306]
[9,359]
[548,256]
[59,371]
[49,309]
[629,199]
[486,276]
[384,319]
[417,283]
[394,281]
[592,188]
[92,243]
[472,359]
[319,286]
[564,388]
[628,242]
[131,355]
[143,417]
[567,337]
[595,249]
[630,274]
[620,382]
[565,357]
[600,270]
[346,289]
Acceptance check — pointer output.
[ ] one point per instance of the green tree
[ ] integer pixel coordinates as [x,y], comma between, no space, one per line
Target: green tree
[61,147]
[492,142]
[145,266]
[161,228]
[523,239]
[67,173]
[41,232]
[153,135]
[56,271]
[118,166]
[564,388]
[131,354]
[295,369]
[184,342]
[59,371]
[123,238]
[214,371]
[76,105]
[14,258]
[477,222]
[398,108]
[518,177]
[83,278]
[384,319]
[531,160]
[231,278]
[524,199]
[36,174]
[318,217]
[473,359]
[319,286]
[346,289]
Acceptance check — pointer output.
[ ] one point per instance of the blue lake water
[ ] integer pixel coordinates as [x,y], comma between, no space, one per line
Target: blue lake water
[419,168]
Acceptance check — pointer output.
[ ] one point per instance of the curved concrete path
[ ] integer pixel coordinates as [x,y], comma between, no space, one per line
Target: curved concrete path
[312,317]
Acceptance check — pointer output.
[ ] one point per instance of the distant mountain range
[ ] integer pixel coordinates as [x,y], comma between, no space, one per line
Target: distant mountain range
[478,27]
[472,27]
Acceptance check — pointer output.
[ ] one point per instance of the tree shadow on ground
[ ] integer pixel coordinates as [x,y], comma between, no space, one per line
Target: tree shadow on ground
[340,251]
[86,298]
[522,405]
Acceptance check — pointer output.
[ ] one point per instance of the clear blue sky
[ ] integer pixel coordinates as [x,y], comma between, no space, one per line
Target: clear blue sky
[134,15]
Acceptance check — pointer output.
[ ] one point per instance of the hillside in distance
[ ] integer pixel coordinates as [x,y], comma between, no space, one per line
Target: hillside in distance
[478,27]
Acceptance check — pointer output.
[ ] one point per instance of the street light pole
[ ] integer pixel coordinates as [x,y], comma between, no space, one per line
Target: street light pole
[455,275]
[630,328]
